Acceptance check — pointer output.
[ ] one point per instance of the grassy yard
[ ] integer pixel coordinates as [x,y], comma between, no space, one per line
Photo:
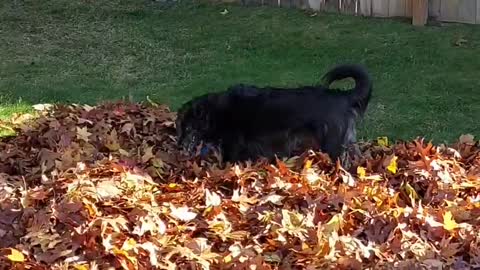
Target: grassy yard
[88,51]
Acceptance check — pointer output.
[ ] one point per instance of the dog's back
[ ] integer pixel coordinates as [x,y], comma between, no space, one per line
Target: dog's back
[269,108]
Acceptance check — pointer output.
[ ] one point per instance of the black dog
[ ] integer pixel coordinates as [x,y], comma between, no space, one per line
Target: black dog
[248,122]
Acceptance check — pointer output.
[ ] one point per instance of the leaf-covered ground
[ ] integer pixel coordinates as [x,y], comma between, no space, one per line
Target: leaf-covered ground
[96,187]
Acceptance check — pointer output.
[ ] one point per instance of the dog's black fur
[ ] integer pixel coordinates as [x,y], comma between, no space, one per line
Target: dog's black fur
[248,122]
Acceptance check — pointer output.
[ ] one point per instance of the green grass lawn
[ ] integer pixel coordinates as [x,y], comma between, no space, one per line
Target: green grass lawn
[82,52]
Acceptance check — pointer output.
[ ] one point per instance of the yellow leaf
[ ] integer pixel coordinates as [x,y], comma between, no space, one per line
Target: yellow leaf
[410,191]
[20,119]
[308,164]
[334,224]
[392,167]
[118,252]
[361,172]
[92,210]
[382,141]
[16,256]
[397,212]
[227,259]
[129,244]
[81,267]
[374,177]
[449,223]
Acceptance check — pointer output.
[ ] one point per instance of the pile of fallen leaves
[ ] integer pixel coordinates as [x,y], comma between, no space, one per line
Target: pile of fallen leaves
[106,188]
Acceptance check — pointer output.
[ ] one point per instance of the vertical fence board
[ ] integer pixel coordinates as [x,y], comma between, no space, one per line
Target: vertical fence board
[449,10]
[271,2]
[420,12]
[380,8]
[396,8]
[467,11]
[314,4]
[434,8]
[286,3]
[348,6]
[329,5]
[366,7]
[300,4]
[408,8]
[478,11]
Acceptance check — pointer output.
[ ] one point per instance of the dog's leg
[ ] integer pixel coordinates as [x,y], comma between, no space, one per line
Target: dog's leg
[347,158]
[229,153]
[233,148]
[351,140]
[330,140]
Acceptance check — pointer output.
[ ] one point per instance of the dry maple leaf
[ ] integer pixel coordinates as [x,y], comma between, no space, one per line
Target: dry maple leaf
[293,224]
[116,224]
[272,198]
[182,213]
[112,141]
[212,198]
[83,134]
[149,224]
[107,190]
[148,154]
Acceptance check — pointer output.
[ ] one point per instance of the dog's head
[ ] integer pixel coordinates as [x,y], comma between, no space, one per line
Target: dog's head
[195,122]
[190,129]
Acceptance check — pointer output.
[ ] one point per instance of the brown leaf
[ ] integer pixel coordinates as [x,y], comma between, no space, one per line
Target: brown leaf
[107,190]
[349,263]
[148,154]
[112,141]
[38,194]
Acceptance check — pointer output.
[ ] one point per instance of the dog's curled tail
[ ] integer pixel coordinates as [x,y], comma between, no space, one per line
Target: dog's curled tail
[361,93]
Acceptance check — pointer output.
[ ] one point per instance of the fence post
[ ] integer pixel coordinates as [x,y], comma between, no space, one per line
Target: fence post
[420,12]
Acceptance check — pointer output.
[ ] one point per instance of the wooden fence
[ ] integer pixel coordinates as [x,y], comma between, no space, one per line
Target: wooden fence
[464,11]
